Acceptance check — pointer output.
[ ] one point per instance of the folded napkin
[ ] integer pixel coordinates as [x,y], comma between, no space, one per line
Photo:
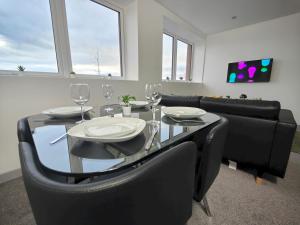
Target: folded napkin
[184,112]
[109,130]
[72,109]
[178,112]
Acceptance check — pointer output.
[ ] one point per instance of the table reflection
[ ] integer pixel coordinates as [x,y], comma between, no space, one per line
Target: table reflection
[56,155]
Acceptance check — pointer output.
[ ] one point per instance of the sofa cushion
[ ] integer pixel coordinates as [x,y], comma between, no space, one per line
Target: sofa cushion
[175,100]
[243,107]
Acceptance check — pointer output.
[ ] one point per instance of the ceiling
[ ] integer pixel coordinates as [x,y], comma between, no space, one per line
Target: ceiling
[213,16]
[122,2]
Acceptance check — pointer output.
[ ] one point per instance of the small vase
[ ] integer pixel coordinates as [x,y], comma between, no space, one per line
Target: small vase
[126,110]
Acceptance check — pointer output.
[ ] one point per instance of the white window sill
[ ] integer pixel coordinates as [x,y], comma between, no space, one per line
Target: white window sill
[181,81]
[16,74]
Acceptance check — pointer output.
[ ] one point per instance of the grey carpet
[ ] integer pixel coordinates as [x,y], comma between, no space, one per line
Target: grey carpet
[296,143]
[234,199]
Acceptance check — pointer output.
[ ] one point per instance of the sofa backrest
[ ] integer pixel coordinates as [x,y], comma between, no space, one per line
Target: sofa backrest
[176,100]
[250,108]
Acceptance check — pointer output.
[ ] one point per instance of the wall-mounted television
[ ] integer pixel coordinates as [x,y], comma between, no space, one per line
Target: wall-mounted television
[250,71]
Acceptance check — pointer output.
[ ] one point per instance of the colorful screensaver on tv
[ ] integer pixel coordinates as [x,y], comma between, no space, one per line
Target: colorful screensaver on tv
[250,71]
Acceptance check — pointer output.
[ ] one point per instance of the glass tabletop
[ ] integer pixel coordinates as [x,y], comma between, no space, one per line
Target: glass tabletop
[71,156]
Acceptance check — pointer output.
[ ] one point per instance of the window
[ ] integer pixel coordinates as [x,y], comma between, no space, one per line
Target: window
[167,57]
[60,36]
[183,65]
[94,38]
[26,36]
[177,58]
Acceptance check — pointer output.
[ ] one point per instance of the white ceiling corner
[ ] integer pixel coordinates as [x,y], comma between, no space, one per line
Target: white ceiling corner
[213,16]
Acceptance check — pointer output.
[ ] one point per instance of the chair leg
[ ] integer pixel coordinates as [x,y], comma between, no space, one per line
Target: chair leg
[206,207]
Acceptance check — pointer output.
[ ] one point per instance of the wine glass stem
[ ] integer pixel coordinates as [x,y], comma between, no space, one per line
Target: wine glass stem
[82,116]
[107,105]
[153,113]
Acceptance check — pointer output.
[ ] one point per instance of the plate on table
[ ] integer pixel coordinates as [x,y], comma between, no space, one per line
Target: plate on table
[108,129]
[183,112]
[66,112]
[138,104]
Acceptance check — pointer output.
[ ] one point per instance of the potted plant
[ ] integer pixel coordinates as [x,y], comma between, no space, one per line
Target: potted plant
[126,104]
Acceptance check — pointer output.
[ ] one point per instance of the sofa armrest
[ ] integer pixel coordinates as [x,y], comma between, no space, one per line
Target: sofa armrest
[286,116]
[282,143]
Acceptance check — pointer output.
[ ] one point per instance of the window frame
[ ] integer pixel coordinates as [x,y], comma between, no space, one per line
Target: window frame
[62,44]
[190,57]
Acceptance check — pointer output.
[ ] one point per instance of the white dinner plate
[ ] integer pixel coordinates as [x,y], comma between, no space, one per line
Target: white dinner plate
[115,129]
[66,112]
[138,104]
[183,112]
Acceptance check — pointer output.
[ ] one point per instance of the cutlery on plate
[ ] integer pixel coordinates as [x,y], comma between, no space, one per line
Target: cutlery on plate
[58,139]
[185,120]
[149,142]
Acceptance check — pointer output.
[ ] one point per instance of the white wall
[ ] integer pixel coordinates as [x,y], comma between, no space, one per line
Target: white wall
[21,96]
[279,39]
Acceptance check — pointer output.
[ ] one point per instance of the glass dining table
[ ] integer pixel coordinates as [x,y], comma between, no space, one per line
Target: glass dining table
[73,157]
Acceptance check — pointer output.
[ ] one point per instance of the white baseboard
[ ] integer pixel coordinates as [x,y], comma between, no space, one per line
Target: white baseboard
[10,175]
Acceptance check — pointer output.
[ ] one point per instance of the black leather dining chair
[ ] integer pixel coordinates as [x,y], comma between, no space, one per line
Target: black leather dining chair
[209,161]
[159,192]
[24,133]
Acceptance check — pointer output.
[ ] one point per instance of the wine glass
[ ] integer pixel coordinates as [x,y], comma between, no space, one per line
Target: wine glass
[153,96]
[80,94]
[156,93]
[107,93]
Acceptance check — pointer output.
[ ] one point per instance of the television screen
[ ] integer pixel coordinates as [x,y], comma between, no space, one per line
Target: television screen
[250,71]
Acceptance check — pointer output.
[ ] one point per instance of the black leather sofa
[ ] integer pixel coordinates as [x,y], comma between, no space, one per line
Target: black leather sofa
[260,132]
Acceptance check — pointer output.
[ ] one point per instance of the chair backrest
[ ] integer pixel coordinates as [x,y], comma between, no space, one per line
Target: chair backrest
[157,192]
[24,133]
[211,158]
